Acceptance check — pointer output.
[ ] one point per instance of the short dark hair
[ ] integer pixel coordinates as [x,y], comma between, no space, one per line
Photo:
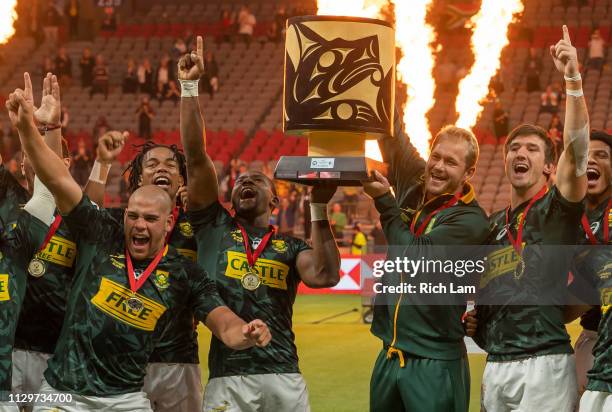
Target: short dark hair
[135,166]
[550,154]
[602,136]
[471,156]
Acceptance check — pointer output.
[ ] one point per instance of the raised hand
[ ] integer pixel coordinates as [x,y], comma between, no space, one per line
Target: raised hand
[191,65]
[20,105]
[322,192]
[257,332]
[110,144]
[377,187]
[182,196]
[50,109]
[565,56]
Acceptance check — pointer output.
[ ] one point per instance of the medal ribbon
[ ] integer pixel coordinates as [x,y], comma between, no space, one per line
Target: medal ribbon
[136,284]
[252,256]
[175,213]
[606,227]
[446,205]
[52,229]
[517,244]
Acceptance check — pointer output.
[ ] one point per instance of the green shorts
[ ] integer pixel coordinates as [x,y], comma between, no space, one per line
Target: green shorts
[423,384]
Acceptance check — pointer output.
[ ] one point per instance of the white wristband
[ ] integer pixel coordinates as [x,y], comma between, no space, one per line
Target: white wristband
[572,79]
[189,88]
[318,211]
[574,93]
[99,172]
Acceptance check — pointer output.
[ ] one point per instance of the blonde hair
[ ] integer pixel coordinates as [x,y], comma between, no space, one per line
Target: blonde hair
[471,156]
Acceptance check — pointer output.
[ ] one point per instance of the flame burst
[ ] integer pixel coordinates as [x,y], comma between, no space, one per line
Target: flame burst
[8,15]
[414,37]
[489,37]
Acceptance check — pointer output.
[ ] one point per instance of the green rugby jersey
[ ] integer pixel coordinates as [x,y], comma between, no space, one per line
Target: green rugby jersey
[180,343]
[16,250]
[12,198]
[512,330]
[104,346]
[221,253]
[44,305]
[596,270]
[430,331]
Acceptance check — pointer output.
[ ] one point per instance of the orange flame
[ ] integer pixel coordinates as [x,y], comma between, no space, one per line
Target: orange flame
[414,37]
[8,15]
[489,37]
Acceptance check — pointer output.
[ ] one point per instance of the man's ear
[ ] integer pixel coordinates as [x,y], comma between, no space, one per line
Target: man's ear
[274,202]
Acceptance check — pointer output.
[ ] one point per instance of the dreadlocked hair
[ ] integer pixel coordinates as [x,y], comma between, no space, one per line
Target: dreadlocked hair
[135,166]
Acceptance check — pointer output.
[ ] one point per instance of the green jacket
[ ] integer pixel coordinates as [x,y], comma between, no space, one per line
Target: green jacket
[430,331]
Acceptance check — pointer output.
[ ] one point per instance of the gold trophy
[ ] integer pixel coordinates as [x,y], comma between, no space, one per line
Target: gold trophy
[339,91]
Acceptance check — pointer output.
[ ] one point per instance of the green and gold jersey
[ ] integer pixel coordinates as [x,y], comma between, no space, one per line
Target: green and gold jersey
[419,327]
[16,250]
[12,198]
[180,343]
[44,305]
[596,269]
[513,330]
[104,345]
[221,253]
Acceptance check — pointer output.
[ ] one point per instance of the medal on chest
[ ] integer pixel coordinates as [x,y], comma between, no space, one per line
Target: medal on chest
[250,280]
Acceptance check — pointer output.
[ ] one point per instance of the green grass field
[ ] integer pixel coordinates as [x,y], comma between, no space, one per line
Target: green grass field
[337,355]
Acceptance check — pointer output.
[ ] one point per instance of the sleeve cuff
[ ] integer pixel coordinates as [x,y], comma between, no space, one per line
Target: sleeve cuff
[385,202]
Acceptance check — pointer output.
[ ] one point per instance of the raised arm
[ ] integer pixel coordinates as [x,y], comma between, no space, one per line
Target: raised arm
[320,267]
[405,163]
[110,144]
[202,188]
[49,168]
[571,170]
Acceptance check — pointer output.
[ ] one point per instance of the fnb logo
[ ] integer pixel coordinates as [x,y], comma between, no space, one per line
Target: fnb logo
[112,299]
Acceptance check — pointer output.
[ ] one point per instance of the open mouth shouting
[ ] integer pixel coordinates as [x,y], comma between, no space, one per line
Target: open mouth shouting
[162,181]
[140,242]
[248,193]
[520,168]
[593,175]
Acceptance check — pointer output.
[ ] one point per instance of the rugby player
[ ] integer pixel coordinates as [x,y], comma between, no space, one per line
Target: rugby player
[50,276]
[423,344]
[530,365]
[594,346]
[113,321]
[256,269]
[173,381]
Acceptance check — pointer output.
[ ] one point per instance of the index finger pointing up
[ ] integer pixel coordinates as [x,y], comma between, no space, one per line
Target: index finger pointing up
[200,46]
[566,35]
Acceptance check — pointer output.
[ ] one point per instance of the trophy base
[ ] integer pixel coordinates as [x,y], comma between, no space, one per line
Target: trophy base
[310,170]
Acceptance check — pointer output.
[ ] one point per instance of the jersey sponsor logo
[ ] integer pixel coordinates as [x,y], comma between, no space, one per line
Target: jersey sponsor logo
[4,287]
[112,299]
[594,229]
[115,261]
[161,280]
[272,273]
[279,245]
[186,229]
[499,263]
[606,299]
[188,253]
[59,251]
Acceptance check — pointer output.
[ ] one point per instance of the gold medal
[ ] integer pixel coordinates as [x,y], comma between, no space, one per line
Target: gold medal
[519,269]
[37,267]
[250,280]
[135,304]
